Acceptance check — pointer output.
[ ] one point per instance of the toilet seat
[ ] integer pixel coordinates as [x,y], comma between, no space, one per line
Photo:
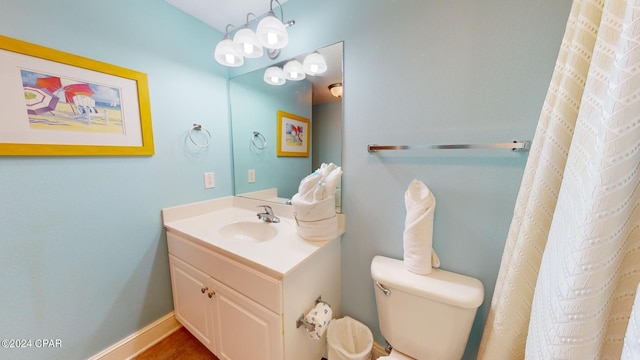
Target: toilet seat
[396,355]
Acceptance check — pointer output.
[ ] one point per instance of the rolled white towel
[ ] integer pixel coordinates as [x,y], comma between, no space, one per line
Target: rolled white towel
[418,233]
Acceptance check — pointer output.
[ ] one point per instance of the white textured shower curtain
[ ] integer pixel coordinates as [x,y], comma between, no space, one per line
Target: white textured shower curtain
[571,263]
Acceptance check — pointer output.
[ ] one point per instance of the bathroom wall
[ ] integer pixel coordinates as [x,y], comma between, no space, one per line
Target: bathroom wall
[327,122]
[82,249]
[83,256]
[433,72]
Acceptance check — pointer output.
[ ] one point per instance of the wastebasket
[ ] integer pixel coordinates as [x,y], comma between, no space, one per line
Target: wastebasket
[349,339]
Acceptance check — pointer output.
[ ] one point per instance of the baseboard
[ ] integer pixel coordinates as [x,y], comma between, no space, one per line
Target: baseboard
[141,340]
[378,351]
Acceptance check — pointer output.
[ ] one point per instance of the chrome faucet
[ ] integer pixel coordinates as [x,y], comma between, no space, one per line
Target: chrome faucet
[268,215]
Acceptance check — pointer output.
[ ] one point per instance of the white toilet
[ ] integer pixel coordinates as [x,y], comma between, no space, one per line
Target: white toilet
[424,317]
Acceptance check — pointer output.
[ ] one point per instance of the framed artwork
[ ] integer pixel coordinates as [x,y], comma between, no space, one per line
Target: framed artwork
[293,135]
[54,103]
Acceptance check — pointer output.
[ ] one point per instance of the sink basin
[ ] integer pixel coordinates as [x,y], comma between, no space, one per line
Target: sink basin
[249,231]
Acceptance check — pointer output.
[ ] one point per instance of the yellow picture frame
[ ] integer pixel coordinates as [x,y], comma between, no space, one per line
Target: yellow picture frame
[293,135]
[68,113]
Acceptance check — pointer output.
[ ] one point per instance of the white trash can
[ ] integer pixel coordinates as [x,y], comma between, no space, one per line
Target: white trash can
[349,339]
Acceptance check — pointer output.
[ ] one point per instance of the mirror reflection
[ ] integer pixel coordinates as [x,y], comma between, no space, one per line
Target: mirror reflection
[259,172]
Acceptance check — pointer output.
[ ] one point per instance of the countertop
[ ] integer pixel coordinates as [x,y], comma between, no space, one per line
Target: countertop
[201,221]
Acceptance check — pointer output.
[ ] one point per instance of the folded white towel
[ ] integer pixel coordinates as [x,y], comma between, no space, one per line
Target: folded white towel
[314,205]
[420,204]
[321,183]
[319,230]
[314,209]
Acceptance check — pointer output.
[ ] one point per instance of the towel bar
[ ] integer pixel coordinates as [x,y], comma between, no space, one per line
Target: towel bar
[519,145]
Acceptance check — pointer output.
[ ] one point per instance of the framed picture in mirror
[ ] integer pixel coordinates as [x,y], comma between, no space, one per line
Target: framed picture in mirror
[293,134]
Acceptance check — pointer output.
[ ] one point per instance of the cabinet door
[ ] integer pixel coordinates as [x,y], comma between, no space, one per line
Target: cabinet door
[246,330]
[192,304]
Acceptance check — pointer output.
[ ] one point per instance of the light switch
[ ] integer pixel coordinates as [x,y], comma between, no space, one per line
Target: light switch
[252,176]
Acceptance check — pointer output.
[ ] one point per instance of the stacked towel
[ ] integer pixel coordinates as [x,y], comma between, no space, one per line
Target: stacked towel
[314,206]
[420,203]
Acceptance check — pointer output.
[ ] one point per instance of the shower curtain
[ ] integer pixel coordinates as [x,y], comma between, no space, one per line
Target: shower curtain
[571,263]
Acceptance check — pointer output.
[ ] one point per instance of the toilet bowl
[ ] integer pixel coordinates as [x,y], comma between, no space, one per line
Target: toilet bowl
[424,316]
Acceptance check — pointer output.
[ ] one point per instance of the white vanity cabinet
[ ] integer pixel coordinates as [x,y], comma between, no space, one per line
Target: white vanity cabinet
[193,300]
[241,310]
[222,319]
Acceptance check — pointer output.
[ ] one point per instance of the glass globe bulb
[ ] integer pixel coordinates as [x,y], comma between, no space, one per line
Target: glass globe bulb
[293,70]
[272,33]
[314,64]
[249,43]
[228,53]
[274,76]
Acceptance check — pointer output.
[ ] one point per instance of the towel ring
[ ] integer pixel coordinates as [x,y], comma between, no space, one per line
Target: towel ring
[199,127]
[260,137]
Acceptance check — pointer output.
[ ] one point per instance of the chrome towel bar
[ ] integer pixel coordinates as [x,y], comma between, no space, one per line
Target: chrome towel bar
[519,145]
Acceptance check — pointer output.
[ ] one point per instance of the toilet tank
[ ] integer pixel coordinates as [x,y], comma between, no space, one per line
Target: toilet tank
[425,316]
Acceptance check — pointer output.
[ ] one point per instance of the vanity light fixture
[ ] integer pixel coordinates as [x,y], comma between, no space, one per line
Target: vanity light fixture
[229,53]
[314,64]
[293,70]
[336,89]
[274,76]
[272,32]
[248,40]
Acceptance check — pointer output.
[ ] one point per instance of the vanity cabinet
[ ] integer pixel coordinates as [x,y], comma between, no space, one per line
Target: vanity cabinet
[192,306]
[242,311]
[222,319]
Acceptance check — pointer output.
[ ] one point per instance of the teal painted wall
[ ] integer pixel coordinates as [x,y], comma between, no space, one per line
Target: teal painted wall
[327,134]
[83,256]
[433,72]
[89,266]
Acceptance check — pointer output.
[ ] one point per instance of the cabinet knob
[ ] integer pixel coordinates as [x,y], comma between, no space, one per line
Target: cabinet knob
[204,289]
[211,293]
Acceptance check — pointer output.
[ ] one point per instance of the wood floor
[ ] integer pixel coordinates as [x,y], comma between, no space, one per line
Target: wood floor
[180,345]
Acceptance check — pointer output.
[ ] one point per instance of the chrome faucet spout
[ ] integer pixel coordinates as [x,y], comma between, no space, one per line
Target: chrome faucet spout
[267,215]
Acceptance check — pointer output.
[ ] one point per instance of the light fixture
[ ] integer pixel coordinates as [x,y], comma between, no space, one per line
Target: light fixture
[248,40]
[274,76]
[314,64]
[293,70]
[336,89]
[227,52]
[272,32]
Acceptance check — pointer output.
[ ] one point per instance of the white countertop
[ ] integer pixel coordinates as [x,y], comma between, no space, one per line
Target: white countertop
[201,222]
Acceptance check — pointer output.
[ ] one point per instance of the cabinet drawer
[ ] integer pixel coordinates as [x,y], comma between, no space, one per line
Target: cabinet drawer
[260,288]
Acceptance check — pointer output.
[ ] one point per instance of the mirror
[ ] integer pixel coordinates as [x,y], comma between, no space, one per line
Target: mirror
[259,172]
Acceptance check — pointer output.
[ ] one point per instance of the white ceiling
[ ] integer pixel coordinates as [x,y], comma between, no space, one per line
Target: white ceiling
[219,13]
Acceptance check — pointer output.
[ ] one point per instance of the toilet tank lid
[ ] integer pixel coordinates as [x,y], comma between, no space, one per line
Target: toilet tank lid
[444,286]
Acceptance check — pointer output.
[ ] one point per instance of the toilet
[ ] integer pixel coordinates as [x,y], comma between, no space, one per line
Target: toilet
[424,317]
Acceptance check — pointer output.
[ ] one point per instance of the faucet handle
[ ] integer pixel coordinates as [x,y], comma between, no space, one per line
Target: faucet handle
[267,209]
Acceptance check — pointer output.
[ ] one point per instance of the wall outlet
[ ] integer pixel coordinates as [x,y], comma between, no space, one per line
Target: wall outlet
[252,175]
[209,180]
